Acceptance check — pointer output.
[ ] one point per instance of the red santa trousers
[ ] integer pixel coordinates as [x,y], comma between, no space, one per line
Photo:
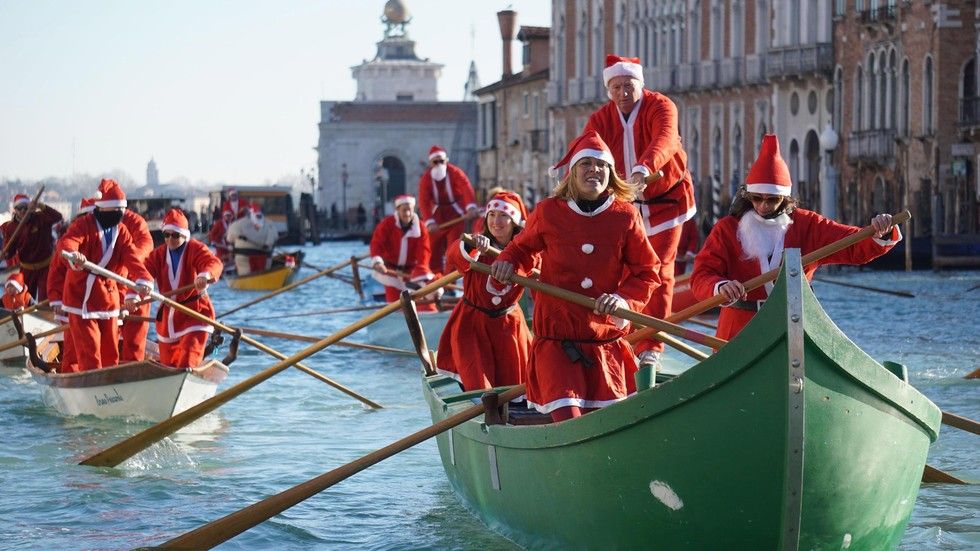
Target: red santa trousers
[665,245]
[188,351]
[69,364]
[96,341]
[134,336]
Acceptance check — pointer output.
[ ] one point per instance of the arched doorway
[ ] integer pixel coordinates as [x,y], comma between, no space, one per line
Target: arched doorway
[389,179]
[809,192]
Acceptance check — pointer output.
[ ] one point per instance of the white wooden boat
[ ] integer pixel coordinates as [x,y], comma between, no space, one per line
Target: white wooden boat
[14,360]
[392,331]
[146,390]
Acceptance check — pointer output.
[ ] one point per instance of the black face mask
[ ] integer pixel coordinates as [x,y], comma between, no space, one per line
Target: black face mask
[108,218]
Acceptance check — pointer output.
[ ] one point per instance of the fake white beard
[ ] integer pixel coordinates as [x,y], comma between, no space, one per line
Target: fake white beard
[256,221]
[438,172]
[759,236]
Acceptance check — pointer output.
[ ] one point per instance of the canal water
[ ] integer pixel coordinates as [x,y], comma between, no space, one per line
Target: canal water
[292,428]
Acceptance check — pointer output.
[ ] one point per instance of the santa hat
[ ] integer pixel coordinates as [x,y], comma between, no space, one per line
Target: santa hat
[19,199]
[110,195]
[769,174]
[617,66]
[17,280]
[226,211]
[586,145]
[510,204]
[254,208]
[405,200]
[175,221]
[436,152]
[87,204]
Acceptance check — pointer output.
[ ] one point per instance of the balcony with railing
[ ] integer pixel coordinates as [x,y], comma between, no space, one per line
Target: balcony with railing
[755,69]
[876,146]
[969,112]
[731,71]
[688,76]
[799,60]
[709,70]
[880,14]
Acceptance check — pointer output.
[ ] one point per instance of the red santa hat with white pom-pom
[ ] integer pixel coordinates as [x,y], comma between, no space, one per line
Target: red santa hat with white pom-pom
[86,205]
[436,152]
[19,199]
[404,200]
[769,174]
[618,66]
[16,280]
[110,195]
[586,145]
[175,221]
[510,204]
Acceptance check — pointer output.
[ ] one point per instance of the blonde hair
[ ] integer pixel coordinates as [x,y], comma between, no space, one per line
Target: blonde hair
[618,188]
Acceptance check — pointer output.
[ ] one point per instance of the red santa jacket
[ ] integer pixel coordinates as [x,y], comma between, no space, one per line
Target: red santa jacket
[404,250]
[447,199]
[669,201]
[17,300]
[216,235]
[84,293]
[196,259]
[142,240]
[34,243]
[56,277]
[605,251]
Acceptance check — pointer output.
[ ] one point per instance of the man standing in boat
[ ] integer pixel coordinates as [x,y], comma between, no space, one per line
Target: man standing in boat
[445,193]
[400,251]
[640,127]
[253,240]
[56,286]
[238,208]
[134,330]
[34,243]
[762,223]
[218,235]
[178,262]
[91,301]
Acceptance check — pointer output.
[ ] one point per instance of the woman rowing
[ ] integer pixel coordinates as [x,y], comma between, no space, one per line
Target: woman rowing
[591,239]
[763,221]
[486,341]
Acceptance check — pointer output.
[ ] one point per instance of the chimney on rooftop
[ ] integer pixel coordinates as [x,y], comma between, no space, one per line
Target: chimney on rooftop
[507,20]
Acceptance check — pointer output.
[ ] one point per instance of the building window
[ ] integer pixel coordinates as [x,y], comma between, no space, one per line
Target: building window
[839,6]
[903,121]
[526,54]
[762,26]
[858,121]
[404,97]
[527,104]
[794,22]
[738,30]
[927,123]
[838,97]
[872,93]
[892,91]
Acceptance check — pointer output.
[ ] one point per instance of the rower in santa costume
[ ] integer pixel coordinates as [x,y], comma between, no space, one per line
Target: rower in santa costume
[34,243]
[640,128]
[445,193]
[764,221]
[217,236]
[253,240]
[178,262]
[56,286]
[133,332]
[591,241]
[400,252]
[486,341]
[15,293]
[91,301]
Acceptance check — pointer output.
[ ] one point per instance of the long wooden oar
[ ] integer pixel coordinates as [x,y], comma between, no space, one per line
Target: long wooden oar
[962,423]
[975,374]
[324,312]
[221,327]
[23,340]
[20,225]
[136,443]
[449,223]
[760,280]
[289,287]
[624,313]
[903,294]
[931,474]
[27,310]
[304,338]
[225,528]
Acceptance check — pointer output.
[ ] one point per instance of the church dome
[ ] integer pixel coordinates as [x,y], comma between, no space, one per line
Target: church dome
[395,11]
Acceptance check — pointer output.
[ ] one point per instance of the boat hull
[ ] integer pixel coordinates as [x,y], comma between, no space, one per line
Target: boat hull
[732,451]
[392,331]
[13,361]
[268,280]
[140,390]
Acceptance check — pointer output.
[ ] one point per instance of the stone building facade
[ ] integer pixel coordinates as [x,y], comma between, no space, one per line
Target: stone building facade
[512,139]
[377,146]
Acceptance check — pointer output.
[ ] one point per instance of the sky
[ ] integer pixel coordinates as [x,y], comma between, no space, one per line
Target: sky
[212,90]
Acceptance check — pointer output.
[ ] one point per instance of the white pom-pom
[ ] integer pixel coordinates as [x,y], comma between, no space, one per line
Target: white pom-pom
[97,196]
[553,172]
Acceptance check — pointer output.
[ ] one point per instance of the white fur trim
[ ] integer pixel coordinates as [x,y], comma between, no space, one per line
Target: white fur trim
[642,169]
[580,402]
[769,189]
[111,203]
[888,242]
[182,231]
[405,201]
[666,225]
[16,285]
[595,154]
[439,155]
[622,69]
[506,208]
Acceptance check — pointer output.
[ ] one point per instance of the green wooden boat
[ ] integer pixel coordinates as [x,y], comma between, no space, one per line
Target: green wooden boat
[790,437]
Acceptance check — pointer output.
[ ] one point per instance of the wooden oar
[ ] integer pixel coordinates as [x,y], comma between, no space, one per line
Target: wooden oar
[624,313]
[760,280]
[170,293]
[221,327]
[27,310]
[20,225]
[974,288]
[324,312]
[225,528]
[449,223]
[702,323]
[356,279]
[136,443]
[962,423]
[975,374]
[904,294]
[289,287]
[931,474]
[304,338]
[23,340]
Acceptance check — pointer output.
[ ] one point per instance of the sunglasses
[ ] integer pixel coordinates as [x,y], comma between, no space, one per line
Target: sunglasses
[438,161]
[770,200]
[20,207]
[171,235]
